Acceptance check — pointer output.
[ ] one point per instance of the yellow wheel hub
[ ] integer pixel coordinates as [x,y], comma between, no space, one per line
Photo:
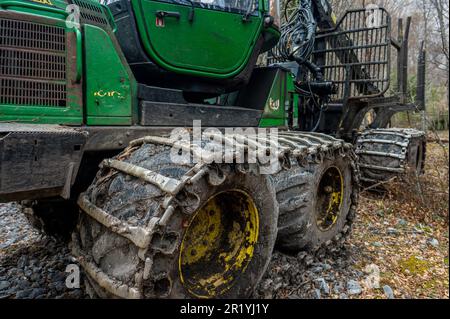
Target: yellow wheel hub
[218,244]
[329,198]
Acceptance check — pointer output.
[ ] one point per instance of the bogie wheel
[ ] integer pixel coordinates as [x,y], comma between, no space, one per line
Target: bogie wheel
[217,242]
[388,154]
[321,204]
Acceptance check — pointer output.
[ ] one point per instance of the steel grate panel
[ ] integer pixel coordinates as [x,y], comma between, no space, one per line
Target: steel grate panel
[91,13]
[24,34]
[355,56]
[32,64]
[26,92]
[40,65]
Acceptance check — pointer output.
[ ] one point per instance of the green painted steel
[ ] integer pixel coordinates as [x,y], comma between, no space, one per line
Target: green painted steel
[101,89]
[108,121]
[48,8]
[110,87]
[72,112]
[36,119]
[93,58]
[275,110]
[215,44]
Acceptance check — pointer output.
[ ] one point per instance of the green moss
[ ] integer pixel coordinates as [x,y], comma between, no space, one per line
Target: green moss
[425,228]
[430,284]
[414,265]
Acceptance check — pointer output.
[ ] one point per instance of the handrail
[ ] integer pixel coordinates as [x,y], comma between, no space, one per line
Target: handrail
[79,64]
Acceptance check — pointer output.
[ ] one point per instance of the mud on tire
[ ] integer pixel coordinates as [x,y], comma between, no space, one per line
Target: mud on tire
[217,242]
[317,203]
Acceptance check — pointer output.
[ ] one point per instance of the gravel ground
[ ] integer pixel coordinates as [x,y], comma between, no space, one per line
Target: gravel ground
[398,249]
[31,265]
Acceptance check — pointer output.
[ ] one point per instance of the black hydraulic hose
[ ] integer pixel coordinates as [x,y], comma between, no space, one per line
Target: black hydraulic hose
[297,35]
[318,121]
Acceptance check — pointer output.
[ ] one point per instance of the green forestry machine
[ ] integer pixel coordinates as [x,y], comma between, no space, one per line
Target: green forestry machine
[91,95]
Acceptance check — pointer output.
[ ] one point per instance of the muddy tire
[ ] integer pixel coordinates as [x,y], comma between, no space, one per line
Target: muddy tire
[217,242]
[54,217]
[317,204]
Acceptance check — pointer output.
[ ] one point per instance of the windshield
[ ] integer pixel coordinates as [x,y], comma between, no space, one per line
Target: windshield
[228,5]
[239,6]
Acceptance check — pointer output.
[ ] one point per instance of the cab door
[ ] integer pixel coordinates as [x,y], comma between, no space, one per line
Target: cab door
[201,37]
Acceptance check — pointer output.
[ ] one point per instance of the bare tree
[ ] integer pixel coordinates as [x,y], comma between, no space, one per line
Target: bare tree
[441,9]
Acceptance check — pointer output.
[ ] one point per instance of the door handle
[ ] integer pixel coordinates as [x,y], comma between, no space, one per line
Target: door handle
[169,14]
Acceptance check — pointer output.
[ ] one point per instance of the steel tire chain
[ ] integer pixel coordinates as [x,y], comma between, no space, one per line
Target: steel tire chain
[367,140]
[344,150]
[303,147]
